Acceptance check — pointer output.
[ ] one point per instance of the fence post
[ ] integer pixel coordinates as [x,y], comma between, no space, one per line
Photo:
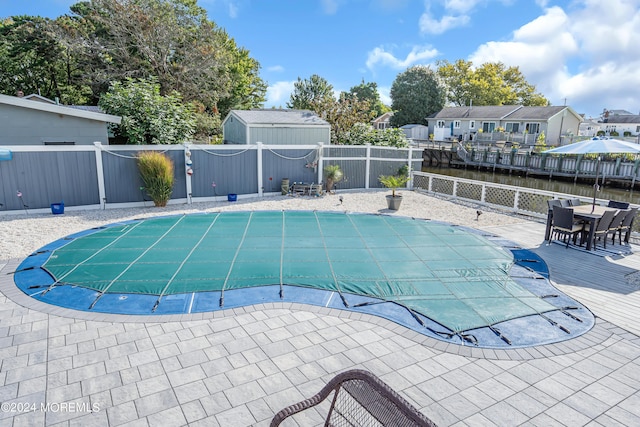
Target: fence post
[410,167]
[102,195]
[320,161]
[259,164]
[188,171]
[367,166]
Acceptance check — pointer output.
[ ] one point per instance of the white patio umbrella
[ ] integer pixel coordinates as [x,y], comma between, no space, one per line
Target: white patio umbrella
[597,145]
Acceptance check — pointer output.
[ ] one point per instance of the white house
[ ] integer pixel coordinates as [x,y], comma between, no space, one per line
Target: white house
[465,123]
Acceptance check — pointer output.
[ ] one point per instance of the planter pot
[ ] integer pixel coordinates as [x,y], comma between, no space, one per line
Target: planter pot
[393,202]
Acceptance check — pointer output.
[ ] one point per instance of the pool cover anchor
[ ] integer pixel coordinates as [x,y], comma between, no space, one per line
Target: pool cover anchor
[499,334]
[554,323]
[564,311]
[96,300]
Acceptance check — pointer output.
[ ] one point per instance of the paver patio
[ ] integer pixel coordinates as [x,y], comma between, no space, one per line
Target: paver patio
[239,367]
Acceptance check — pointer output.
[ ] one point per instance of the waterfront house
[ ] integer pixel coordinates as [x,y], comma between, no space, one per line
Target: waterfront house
[624,125]
[517,123]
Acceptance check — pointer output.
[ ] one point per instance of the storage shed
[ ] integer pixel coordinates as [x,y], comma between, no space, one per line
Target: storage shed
[276,127]
[31,120]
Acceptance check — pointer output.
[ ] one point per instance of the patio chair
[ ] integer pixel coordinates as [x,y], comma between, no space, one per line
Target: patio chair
[360,399]
[602,228]
[618,205]
[564,225]
[565,203]
[575,202]
[616,223]
[625,227]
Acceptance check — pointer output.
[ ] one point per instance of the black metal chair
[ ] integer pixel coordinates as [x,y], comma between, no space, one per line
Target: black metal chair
[616,223]
[626,225]
[618,205]
[360,399]
[602,228]
[553,202]
[564,225]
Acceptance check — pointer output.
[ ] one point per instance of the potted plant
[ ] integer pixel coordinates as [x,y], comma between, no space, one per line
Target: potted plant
[332,175]
[156,170]
[393,182]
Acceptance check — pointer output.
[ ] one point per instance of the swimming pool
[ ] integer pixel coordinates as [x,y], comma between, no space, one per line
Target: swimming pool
[450,282]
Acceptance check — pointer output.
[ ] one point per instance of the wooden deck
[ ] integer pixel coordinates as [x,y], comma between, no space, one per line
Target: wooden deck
[600,283]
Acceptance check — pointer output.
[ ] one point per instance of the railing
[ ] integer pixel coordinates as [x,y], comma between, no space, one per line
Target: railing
[527,201]
[549,164]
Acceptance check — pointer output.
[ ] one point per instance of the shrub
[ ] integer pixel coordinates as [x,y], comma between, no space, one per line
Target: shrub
[156,170]
[333,175]
[627,133]
[393,182]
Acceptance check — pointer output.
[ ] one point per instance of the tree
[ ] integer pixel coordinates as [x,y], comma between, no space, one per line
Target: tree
[361,134]
[32,60]
[147,116]
[307,93]
[490,84]
[415,95]
[342,115]
[368,92]
[248,90]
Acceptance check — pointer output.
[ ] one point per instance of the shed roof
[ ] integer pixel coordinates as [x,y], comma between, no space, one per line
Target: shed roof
[58,109]
[536,113]
[501,112]
[281,117]
[477,112]
[635,118]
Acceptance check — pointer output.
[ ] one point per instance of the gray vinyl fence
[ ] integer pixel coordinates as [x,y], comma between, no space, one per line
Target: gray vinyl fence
[104,176]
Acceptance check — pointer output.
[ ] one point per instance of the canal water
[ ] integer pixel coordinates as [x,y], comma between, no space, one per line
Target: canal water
[555,184]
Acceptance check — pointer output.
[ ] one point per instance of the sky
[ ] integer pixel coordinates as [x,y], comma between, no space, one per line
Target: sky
[581,53]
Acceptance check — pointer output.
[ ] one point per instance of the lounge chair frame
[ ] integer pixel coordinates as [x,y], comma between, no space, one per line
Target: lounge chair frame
[360,399]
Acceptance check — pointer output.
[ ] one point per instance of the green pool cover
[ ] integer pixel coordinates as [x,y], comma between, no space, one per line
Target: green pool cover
[454,277]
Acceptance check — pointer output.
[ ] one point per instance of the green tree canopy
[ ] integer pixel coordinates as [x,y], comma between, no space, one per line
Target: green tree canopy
[342,115]
[415,95]
[310,92]
[368,92]
[147,116]
[490,84]
[364,133]
[77,56]
[32,60]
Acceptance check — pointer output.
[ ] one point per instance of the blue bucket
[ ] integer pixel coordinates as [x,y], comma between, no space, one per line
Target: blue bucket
[57,208]
[232,197]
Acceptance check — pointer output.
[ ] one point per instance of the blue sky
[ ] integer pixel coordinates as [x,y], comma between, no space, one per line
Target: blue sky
[584,53]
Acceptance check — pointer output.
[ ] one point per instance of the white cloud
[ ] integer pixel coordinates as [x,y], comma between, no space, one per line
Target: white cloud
[418,54]
[276,68]
[330,7]
[278,94]
[587,54]
[430,25]
[385,94]
[233,10]
[461,6]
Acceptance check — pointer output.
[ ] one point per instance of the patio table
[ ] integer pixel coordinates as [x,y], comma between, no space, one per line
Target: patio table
[584,213]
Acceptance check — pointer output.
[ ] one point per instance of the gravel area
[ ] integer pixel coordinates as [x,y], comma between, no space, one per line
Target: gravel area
[22,234]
